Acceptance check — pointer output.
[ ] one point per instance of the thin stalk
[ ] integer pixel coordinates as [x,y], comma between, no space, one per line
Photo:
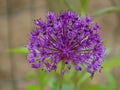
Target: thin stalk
[61,81]
[61,76]
[75,76]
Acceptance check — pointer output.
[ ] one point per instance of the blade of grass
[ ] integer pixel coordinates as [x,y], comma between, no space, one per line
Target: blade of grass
[111,80]
[111,62]
[106,10]
[83,79]
[83,7]
[21,50]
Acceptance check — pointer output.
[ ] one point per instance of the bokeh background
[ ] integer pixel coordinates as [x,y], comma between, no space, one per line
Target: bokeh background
[16,22]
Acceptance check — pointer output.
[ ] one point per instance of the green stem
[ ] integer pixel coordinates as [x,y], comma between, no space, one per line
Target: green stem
[39,78]
[61,81]
[75,79]
[61,76]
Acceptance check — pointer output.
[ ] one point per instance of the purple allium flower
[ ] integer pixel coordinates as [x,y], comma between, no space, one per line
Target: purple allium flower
[65,37]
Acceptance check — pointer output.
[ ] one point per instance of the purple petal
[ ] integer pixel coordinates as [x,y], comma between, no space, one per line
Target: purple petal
[63,71]
[95,27]
[78,68]
[35,65]
[69,67]
[66,61]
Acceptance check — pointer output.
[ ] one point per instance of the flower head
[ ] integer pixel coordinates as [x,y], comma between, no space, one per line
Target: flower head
[65,37]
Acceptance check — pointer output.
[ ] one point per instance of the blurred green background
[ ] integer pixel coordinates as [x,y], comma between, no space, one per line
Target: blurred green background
[16,22]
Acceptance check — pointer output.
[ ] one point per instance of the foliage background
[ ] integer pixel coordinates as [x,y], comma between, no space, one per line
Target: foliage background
[16,21]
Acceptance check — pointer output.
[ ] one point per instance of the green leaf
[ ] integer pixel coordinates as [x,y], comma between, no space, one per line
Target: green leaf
[83,7]
[32,87]
[67,86]
[111,62]
[21,50]
[95,87]
[83,78]
[51,82]
[55,85]
[111,80]
[106,10]
[42,78]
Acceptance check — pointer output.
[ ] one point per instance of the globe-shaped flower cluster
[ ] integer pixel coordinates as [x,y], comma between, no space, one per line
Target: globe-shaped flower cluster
[66,38]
